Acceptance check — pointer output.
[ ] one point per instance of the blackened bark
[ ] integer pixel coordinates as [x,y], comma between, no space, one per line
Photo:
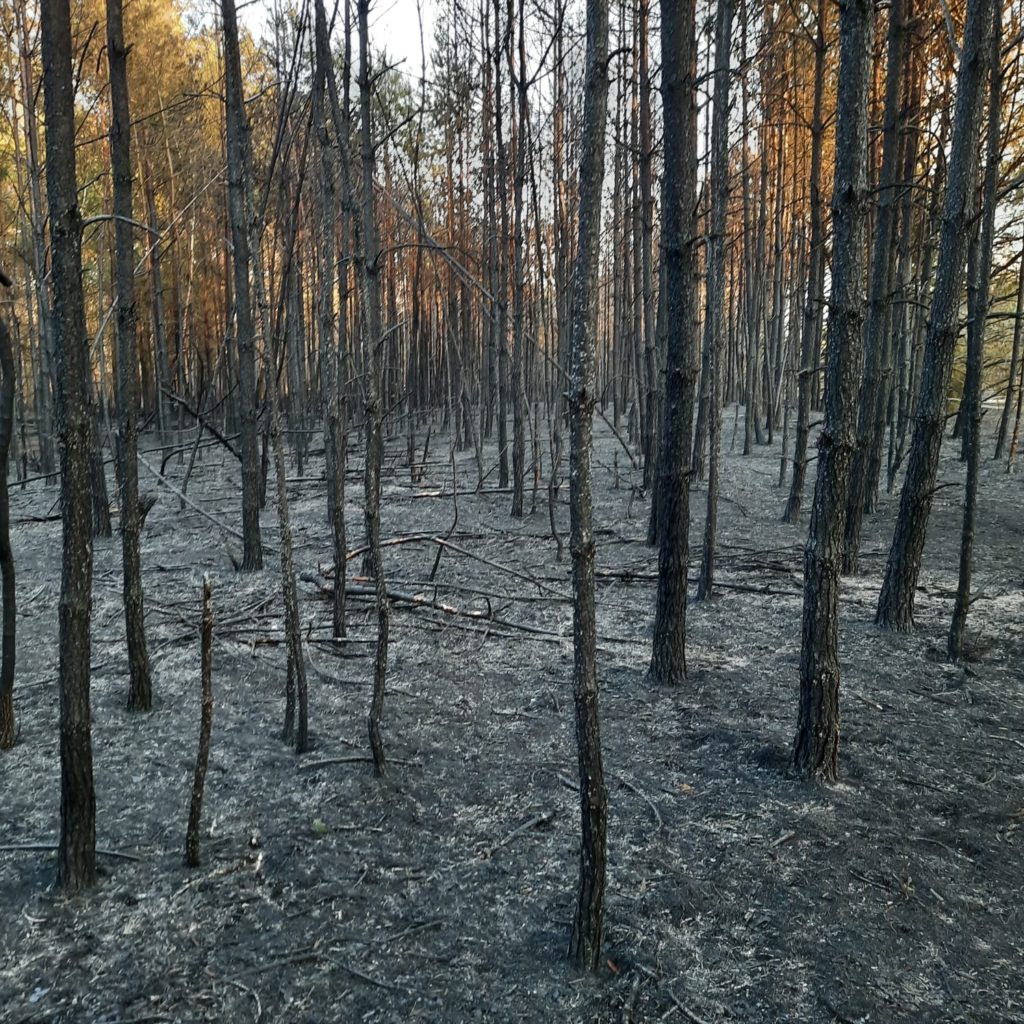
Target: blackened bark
[7,387]
[101,525]
[816,749]
[896,601]
[679,247]
[520,412]
[372,367]
[650,426]
[334,445]
[811,333]
[874,389]
[976,342]
[195,810]
[585,943]
[501,285]
[714,322]
[140,693]
[238,147]
[1011,380]
[76,855]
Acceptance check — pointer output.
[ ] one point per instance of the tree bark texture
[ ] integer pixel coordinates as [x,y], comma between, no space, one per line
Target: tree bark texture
[195,810]
[874,389]
[140,691]
[714,321]
[816,749]
[896,601]
[679,244]
[238,148]
[978,316]
[587,929]
[76,855]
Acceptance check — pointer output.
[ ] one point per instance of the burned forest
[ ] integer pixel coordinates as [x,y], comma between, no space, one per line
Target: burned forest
[511,511]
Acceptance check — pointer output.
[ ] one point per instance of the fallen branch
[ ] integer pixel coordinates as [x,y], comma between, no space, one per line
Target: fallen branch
[643,796]
[538,819]
[52,848]
[203,422]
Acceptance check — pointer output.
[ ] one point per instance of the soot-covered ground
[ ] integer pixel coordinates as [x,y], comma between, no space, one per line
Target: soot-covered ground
[443,893]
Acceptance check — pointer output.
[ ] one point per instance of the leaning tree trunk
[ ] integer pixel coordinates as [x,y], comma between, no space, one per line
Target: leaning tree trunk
[816,750]
[714,323]
[7,387]
[811,328]
[76,854]
[896,601]
[585,943]
[140,693]
[238,147]
[976,343]
[874,389]
[679,244]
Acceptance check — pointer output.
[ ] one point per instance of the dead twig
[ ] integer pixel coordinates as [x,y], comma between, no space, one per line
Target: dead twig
[538,819]
[356,973]
[254,994]
[633,787]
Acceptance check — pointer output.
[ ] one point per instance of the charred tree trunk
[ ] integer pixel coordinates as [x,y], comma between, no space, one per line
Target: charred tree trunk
[976,341]
[520,412]
[8,376]
[501,285]
[334,445]
[238,148]
[874,389]
[646,158]
[372,341]
[811,331]
[76,855]
[816,750]
[195,810]
[140,693]
[714,322]
[1015,360]
[896,601]
[679,244]
[587,929]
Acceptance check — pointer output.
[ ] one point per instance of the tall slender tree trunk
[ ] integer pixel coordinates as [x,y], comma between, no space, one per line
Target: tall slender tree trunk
[238,148]
[816,749]
[714,321]
[45,376]
[679,244]
[76,854]
[520,413]
[140,693]
[372,341]
[8,379]
[156,274]
[976,340]
[810,336]
[646,158]
[334,445]
[501,287]
[1015,358]
[587,929]
[874,389]
[896,601]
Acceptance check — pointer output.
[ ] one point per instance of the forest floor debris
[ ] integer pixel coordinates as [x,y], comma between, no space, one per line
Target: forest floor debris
[445,891]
